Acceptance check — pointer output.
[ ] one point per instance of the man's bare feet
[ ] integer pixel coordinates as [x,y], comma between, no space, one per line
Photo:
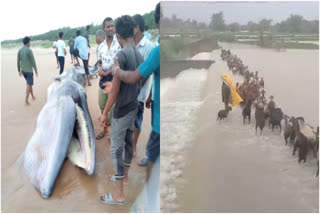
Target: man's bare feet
[89,84]
[134,154]
[27,103]
[33,97]
[125,180]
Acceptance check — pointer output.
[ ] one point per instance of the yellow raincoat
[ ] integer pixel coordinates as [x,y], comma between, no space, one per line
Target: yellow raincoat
[236,99]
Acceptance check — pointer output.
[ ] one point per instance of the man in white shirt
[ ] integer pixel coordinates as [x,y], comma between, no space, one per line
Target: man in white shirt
[55,51]
[144,46]
[147,34]
[61,50]
[107,52]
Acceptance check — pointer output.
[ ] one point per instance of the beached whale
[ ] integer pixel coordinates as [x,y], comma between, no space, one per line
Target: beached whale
[64,128]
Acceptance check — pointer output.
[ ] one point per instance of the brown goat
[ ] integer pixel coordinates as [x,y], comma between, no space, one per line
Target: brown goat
[260,118]
[288,128]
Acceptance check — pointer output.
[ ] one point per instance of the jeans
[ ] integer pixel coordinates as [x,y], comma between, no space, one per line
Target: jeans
[61,62]
[122,137]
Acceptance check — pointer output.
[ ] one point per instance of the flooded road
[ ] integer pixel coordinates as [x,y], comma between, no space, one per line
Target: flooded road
[74,190]
[223,166]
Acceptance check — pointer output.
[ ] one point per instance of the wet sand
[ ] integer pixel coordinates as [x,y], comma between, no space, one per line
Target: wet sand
[74,190]
[223,166]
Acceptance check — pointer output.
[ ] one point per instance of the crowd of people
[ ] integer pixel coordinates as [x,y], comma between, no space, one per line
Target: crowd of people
[129,69]
[302,136]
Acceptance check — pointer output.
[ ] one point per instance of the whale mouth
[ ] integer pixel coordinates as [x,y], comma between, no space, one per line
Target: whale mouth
[80,149]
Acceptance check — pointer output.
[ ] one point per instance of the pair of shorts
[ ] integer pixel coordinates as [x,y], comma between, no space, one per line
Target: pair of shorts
[153,146]
[85,61]
[102,100]
[71,51]
[139,118]
[76,52]
[29,77]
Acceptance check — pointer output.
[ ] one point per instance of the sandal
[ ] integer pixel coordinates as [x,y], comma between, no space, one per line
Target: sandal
[110,201]
[143,162]
[100,135]
[112,178]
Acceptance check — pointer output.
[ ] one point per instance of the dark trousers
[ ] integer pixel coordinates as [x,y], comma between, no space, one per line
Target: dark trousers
[61,62]
[122,139]
[85,65]
[85,61]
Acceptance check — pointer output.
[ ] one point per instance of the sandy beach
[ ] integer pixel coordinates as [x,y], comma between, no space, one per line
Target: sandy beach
[74,190]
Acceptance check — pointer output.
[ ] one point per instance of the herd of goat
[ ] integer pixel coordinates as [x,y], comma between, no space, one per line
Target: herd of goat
[301,135]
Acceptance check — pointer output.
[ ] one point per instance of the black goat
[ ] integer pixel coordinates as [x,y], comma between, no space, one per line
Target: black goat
[246,112]
[276,116]
[222,114]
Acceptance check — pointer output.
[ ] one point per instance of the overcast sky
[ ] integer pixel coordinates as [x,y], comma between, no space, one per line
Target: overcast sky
[21,18]
[241,12]
[31,17]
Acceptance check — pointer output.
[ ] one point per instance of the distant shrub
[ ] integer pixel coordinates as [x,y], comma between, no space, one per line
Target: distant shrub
[172,49]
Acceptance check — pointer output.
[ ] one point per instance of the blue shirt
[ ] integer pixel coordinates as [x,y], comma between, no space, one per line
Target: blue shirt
[147,35]
[152,66]
[81,44]
[156,43]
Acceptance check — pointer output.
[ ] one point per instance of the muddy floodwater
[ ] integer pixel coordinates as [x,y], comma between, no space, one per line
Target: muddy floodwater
[210,166]
[74,190]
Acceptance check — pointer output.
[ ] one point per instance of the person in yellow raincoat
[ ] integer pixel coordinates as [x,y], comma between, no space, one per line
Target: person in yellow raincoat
[235,97]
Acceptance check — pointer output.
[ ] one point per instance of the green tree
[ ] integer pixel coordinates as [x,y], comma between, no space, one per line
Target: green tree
[264,25]
[148,17]
[194,24]
[281,27]
[251,27]
[314,26]
[202,25]
[234,27]
[295,23]
[149,20]
[217,22]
